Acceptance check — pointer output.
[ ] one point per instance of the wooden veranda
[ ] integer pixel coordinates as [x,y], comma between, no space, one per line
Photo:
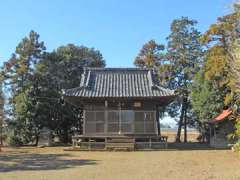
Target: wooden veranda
[119,142]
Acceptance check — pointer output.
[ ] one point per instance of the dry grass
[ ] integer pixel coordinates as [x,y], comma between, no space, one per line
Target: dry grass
[191,135]
[56,164]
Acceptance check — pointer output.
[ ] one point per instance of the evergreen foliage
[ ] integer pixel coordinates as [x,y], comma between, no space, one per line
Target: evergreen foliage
[36,79]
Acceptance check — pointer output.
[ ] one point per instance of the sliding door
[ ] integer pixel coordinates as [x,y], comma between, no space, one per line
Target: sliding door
[120,122]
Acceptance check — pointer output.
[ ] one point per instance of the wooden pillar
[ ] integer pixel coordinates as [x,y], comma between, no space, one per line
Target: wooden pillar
[158,121]
[210,135]
[106,117]
[120,120]
[81,119]
[215,135]
[84,122]
[1,143]
[1,134]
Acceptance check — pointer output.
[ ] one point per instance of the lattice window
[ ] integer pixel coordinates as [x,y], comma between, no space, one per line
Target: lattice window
[144,122]
[124,121]
[127,119]
[113,121]
[94,121]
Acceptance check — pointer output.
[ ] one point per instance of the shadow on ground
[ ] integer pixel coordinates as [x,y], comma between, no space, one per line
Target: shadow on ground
[193,146]
[35,162]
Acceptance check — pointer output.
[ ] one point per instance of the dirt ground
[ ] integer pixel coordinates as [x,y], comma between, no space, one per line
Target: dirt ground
[55,164]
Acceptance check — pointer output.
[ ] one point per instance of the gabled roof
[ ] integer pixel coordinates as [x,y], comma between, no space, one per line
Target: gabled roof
[222,116]
[119,82]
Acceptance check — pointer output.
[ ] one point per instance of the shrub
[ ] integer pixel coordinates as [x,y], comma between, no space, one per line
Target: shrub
[236,146]
[14,141]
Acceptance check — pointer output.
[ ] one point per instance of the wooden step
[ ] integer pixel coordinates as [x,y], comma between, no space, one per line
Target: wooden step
[123,149]
[120,140]
[118,146]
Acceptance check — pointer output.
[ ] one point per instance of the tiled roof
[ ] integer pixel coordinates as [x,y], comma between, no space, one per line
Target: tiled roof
[222,116]
[119,82]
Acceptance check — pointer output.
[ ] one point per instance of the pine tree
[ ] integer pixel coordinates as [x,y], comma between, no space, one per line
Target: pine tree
[150,55]
[184,52]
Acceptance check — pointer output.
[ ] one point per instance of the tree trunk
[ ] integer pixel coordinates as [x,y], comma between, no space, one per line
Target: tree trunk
[180,124]
[37,137]
[185,125]
[182,118]
[65,135]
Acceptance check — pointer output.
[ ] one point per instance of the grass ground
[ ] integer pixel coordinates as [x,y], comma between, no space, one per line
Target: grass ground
[55,164]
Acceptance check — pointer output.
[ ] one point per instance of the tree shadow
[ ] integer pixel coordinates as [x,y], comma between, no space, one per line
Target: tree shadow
[35,162]
[193,146]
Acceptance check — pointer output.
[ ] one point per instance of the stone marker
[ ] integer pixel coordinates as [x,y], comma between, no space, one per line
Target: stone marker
[45,137]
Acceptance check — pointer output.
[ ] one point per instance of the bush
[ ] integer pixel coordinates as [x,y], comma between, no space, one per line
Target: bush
[14,141]
[236,146]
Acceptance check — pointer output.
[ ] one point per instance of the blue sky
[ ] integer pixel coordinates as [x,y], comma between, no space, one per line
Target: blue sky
[117,28]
